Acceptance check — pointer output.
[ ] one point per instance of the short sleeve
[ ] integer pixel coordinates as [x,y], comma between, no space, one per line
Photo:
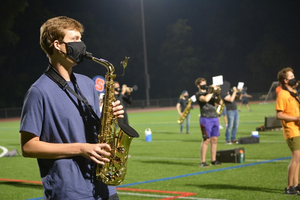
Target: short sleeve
[32,112]
[280,105]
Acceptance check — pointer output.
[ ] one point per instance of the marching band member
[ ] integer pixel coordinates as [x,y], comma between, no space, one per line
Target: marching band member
[287,108]
[209,121]
[228,97]
[58,127]
[180,106]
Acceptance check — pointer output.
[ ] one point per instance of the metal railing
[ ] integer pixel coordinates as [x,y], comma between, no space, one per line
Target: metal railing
[10,112]
[167,102]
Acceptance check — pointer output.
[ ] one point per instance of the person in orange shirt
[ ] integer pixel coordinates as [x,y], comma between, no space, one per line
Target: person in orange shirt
[287,110]
[278,89]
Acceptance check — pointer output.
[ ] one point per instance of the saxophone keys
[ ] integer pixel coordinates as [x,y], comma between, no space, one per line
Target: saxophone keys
[121,150]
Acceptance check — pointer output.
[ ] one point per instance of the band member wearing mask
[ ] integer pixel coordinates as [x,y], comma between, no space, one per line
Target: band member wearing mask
[180,106]
[232,113]
[124,96]
[57,127]
[287,108]
[209,121]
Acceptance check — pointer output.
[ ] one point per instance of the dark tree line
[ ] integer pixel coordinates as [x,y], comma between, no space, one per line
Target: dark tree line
[247,41]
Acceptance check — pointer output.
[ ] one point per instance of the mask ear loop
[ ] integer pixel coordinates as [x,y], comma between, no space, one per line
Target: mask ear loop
[66,48]
[57,48]
[66,54]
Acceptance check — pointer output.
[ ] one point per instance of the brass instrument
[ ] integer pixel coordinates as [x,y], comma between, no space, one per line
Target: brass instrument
[221,106]
[185,111]
[131,89]
[238,93]
[113,172]
[214,89]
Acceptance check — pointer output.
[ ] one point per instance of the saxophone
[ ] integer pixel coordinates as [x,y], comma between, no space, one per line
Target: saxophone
[113,172]
[221,106]
[185,111]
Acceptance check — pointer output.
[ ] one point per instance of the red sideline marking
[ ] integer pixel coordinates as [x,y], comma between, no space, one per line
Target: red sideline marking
[182,194]
[20,181]
[10,119]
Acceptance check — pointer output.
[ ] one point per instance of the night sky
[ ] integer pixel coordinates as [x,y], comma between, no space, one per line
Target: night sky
[243,40]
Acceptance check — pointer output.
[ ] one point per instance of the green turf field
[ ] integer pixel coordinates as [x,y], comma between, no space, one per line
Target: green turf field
[170,162]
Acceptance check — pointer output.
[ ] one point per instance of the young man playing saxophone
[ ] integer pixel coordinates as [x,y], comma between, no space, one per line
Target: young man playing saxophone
[60,130]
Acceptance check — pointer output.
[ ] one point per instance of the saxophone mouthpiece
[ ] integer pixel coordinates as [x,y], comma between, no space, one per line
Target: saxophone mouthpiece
[88,55]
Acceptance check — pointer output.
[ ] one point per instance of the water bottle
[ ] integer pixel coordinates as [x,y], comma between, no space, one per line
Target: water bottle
[241,156]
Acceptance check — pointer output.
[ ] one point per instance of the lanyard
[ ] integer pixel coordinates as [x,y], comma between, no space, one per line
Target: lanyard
[62,83]
[295,95]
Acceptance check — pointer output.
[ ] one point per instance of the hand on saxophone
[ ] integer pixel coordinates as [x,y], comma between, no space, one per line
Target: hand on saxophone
[96,152]
[118,109]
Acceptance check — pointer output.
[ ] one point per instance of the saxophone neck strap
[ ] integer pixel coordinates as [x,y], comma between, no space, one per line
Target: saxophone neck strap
[62,83]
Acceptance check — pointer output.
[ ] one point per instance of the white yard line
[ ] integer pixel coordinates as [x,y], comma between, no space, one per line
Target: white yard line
[4,151]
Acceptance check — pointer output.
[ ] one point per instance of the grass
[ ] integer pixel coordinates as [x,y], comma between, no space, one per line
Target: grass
[170,162]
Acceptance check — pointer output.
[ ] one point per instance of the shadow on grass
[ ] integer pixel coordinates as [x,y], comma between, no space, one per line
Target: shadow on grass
[168,162]
[236,187]
[189,141]
[270,133]
[165,132]
[22,185]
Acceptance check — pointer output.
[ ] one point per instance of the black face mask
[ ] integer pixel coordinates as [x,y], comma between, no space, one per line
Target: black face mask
[186,96]
[118,89]
[203,87]
[76,51]
[293,82]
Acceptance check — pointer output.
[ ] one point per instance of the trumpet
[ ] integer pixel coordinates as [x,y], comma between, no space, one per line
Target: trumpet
[238,92]
[131,89]
[214,89]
